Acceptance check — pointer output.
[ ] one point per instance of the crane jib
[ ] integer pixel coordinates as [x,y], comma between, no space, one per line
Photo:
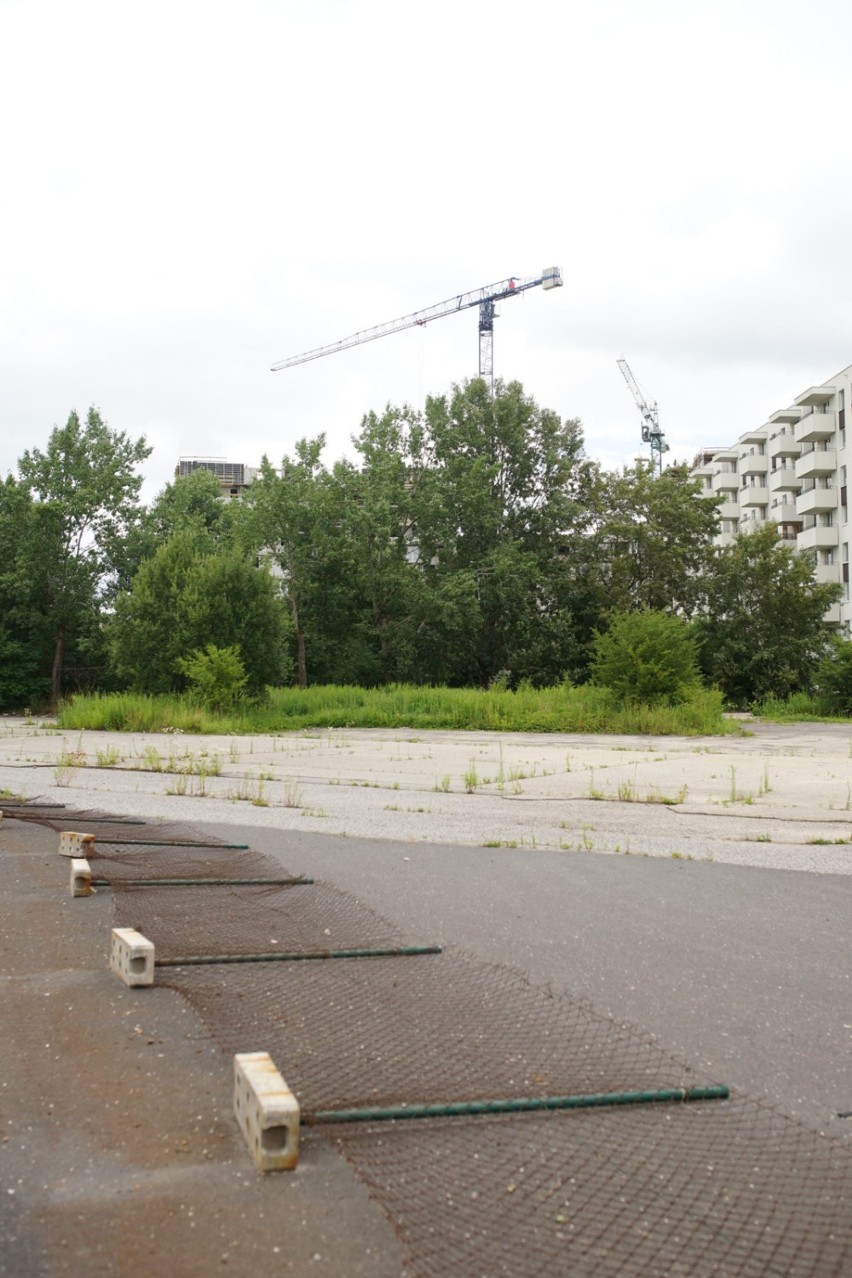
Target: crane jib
[483,297]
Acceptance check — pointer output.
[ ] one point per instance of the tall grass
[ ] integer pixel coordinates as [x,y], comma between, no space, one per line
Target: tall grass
[798,707]
[560,709]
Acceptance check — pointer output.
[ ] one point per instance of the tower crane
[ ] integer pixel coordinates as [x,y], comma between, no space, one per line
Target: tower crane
[485,298]
[651,433]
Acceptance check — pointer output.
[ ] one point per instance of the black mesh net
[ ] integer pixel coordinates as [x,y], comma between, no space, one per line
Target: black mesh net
[709,1188]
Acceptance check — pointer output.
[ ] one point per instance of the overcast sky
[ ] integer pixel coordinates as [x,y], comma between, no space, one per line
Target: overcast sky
[192,191]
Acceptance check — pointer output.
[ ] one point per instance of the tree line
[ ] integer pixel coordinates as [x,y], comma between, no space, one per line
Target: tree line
[470,542]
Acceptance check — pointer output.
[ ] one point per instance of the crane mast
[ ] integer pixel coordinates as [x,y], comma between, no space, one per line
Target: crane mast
[651,433]
[485,298]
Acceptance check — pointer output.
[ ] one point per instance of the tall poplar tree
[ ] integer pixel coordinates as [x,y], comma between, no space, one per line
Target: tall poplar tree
[85,490]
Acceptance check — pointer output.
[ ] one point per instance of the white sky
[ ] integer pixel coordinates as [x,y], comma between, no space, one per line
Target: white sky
[192,191]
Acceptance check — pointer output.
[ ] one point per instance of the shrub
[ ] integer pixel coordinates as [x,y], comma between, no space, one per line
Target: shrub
[834,679]
[648,657]
[217,675]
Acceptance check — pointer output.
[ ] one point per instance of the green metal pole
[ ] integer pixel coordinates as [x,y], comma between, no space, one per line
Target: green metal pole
[515,1106]
[195,960]
[169,843]
[123,883]
[87,821]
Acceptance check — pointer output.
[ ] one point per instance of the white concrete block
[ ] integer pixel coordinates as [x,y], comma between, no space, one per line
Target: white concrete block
[267,1112]
[73,844]
[131,956]
[81,877]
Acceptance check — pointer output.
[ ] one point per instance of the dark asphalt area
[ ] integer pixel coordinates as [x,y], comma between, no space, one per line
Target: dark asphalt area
[745,973]
[119,1152]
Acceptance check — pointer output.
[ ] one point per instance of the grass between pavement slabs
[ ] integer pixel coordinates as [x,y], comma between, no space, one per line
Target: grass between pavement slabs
[560,709]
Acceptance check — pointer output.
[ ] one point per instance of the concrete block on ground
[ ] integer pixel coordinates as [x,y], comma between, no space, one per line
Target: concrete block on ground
[73,844]
[267,1112]
[131,956]
[81,877]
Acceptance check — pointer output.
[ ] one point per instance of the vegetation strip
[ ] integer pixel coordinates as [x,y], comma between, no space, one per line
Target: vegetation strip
[133,883]
[470,545]
[195,960]
[516,1106]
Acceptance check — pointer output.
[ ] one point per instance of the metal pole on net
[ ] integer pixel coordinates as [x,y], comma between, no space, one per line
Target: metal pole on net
[517,1105]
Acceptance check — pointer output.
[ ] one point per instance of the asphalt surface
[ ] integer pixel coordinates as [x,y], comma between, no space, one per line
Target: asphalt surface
[747,972]
[119,1152]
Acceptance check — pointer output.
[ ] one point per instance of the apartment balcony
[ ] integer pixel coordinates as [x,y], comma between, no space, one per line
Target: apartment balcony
[729,510]
[819,461]
[816,502]
[784,444]
[785,416]
[784,512]
[756,437]
[817,539]
[725,539]
[827,573]
[784,477]
[756,496]
[816,426]
[753,464]
[816,395]
[726,481]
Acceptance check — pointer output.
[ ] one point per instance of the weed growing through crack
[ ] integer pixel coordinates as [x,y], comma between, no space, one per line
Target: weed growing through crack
[597,795]
[627,792]
[471,780]
[292,795]
[68,764]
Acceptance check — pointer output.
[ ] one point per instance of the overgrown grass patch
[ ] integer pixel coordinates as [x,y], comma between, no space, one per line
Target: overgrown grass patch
[561,709]
[799,707]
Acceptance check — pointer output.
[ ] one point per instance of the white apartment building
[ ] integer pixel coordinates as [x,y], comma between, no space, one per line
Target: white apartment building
[792,471]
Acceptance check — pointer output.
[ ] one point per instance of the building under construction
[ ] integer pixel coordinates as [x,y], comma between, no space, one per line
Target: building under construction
[233,477]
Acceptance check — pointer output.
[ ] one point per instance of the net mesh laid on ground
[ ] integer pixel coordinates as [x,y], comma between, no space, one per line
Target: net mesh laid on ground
[711,1188]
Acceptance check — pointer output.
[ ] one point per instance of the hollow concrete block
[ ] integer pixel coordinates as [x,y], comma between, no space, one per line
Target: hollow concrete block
[267,1112]
[71,843]
[131,956]
[81,877]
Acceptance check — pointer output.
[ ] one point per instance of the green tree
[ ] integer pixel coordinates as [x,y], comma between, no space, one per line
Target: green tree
[183,599]
[382,499]
[190,503]
[834,678]
[652,539]
[501,499]
[85,490]
[292,520]
[762,629]
[647,656]
[24,641]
